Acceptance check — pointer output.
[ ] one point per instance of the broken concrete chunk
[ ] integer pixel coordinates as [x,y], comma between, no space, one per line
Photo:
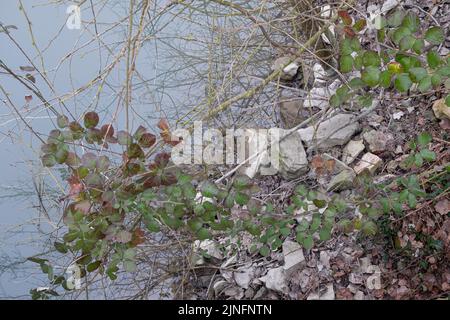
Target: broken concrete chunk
[293,160]
[369,162]
[377,140]
[352,151]
[293,257]
[275,279]
[335,131]
[342,181]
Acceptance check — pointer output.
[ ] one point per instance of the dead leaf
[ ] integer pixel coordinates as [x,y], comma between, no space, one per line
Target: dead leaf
[30,77]
[27,68]
[442,207]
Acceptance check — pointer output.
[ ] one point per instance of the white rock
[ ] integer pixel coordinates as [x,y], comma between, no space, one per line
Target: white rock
[244,275]
[275,279]
[398,115]
[335,131]
[327,295]
[293,160]
[369,162]
[293,257]
[319,96]
[352,151]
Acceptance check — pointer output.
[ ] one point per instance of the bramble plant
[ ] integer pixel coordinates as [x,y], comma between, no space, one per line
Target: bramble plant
[406,60]
[114,202]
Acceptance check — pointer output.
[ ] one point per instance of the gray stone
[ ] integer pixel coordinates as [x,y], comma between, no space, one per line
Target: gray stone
[378,141]
[293,160]
[275,279]
[335,131]
[342,181]
[293,257]
[352,151]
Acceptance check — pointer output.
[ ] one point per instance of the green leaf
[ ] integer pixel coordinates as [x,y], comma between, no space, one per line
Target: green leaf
[209,189]
[369,228]
[424,139]
[365,100]
[335,101]
[411,21]
[425,84]
[308,242]
[203,234]
[435,35]
[417,74]
[418,160]
[346,63]
[325,234]
[264,251]
[412,200]
[385,78]
[436,80]
[371,76]
[418,46]
[93,266]
[48,160]
[396,18]
[242,199]
[407,42]
[61,247]
[399,34]
[355,44]
[371,58]
[356,83]
[433,59]
[428,155]
[447,100]
[346,47]
[403,82]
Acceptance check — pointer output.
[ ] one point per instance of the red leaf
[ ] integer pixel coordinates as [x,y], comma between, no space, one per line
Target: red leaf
[346,18]
[349,31]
